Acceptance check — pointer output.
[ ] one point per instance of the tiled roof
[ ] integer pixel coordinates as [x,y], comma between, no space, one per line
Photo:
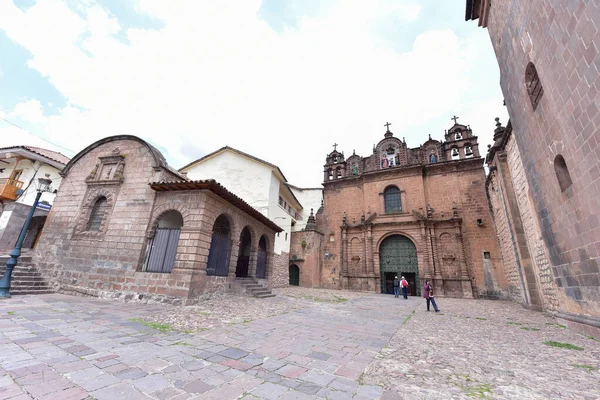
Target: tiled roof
[52,155]
[220,191]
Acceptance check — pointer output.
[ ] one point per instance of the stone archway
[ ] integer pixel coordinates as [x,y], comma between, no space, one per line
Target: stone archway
[220,248]
[398,257]
[163,245]
[294,275]
[243,262]
[261,263]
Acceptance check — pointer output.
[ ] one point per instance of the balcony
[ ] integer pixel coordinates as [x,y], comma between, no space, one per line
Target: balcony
[9,189]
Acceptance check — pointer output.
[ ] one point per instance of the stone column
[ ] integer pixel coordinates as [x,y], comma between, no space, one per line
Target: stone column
[370,252]
[438,279]
[344,259]
[464,273]
[427,256]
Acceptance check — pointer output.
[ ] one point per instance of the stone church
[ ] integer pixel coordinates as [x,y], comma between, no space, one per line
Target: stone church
[127,225]
[417,212]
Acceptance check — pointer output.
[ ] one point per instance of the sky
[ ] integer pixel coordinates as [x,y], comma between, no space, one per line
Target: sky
[282,80]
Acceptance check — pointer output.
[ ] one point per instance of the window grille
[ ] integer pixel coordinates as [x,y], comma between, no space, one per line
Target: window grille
[392,200]
[97,215]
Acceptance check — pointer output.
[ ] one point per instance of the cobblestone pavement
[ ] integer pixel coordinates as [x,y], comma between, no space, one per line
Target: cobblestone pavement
[365,347]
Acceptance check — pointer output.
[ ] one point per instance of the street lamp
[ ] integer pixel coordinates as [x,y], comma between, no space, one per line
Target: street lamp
[43,186]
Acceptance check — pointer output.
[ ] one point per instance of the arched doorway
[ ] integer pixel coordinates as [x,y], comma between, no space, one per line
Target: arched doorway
[294,275]
[398,257]
[220,248]
[33,231]
[261,262]
[241,270]
[163,245]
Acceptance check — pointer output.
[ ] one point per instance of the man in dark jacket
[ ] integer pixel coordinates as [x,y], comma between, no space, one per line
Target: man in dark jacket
[396,287]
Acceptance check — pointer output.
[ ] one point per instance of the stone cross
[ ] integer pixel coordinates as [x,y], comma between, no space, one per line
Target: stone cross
[454,118]
[387,125]
[335,145]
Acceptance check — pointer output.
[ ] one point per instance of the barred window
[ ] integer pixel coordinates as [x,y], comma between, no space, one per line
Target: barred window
[391,198]
[533,84]
[97,215]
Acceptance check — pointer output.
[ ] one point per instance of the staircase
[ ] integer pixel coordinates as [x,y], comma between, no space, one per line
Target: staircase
[26,279]
[254,288]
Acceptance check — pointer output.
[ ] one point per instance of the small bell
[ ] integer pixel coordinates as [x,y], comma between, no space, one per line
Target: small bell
[468,151]
[455,153]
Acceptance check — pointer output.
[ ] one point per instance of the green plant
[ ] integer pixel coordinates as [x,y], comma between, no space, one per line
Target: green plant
[11,313]
[515,323]
[530,329]
[593,338]
[479,391]
[583,366]
[180,343]
[153,325]
[481,319]
[557,325]
[303,244]
[409,317]
[563,345]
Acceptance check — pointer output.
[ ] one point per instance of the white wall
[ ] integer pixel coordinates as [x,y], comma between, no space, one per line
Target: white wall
[243,177]
[32,170]
[280,216]
[309,198]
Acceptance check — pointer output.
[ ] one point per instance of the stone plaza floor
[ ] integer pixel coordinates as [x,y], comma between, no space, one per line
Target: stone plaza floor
[331,347]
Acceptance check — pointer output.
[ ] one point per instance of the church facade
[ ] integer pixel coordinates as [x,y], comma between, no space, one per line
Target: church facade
[417,212]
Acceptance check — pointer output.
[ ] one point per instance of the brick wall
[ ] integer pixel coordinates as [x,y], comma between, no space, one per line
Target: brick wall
[561,39]
[442,186]
[281,273]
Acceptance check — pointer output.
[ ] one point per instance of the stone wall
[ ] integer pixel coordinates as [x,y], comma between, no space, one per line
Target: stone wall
[280,276]
[561,40]
[110,262]
[18,215]
[309,257]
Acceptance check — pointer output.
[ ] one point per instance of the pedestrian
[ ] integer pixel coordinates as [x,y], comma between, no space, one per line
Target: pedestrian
[404,284]
[396,286]
[428,294]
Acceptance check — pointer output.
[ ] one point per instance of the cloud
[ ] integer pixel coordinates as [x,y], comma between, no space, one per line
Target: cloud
[216,74]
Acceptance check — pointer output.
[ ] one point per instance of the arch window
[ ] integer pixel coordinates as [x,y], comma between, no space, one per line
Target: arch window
[338,172]
[562,173]
[97,215]
[220,248]
[162,248]
[533,84]
[391,197]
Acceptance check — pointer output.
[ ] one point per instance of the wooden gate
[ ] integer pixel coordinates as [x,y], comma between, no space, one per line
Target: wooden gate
[218,257]
[398,256]
[163,250]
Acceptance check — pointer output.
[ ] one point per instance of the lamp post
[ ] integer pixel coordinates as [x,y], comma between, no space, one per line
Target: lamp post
[43,186]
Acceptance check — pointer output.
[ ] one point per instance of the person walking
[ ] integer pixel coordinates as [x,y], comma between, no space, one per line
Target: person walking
[396,286]
[428,294]
[404,285]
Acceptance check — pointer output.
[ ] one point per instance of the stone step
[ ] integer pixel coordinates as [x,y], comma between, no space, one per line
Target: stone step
[264,296]
[19,292]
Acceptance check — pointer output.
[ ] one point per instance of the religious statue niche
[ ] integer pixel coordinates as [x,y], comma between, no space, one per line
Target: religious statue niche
[109,170]
[433,157]
[354,169]
[389,157]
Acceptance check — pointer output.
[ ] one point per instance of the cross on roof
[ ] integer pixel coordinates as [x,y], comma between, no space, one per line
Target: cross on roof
[335,145]
[387,125]
[454,118]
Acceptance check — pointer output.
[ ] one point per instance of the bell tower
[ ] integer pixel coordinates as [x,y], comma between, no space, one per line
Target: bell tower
[460,143]
[335,165]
